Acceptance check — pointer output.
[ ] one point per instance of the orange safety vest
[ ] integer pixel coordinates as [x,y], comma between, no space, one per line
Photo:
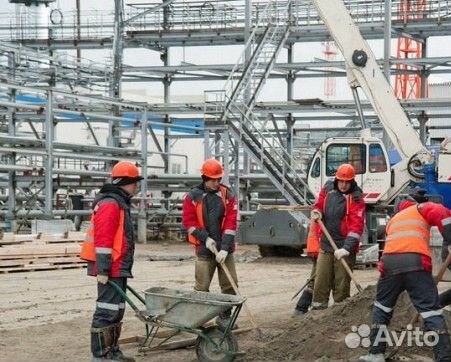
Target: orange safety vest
[88,250]
[408,232]
[313,242]
[200,215]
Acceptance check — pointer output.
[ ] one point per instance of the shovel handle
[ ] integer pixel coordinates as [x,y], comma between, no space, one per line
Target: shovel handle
[237,292]
[334,246]
[304,286]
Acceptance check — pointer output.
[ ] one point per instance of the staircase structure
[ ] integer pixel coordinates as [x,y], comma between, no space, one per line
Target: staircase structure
[238,98]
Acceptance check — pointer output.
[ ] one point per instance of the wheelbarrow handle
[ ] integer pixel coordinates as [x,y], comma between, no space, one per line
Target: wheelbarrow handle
[118,290]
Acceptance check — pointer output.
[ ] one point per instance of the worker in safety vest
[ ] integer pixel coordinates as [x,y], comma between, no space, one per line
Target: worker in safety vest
[312,250]
[210,218]
[341,208]
[406,264]
[109,247]
[445,297]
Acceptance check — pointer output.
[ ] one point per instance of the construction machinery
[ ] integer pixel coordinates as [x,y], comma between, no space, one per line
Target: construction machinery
[380,182]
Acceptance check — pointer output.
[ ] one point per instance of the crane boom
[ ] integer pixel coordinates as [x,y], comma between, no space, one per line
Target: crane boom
[363,71]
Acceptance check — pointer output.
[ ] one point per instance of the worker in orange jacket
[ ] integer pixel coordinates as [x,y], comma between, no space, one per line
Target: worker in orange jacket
[109,247]
[341,207]
[406,264]
[210,218]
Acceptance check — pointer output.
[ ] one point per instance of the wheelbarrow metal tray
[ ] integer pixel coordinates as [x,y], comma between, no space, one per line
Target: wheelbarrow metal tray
[187,308]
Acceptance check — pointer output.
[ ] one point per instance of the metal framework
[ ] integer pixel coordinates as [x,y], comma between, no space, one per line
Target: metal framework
[41,90]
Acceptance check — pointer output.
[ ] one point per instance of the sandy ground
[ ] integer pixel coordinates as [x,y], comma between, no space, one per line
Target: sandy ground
[46,315]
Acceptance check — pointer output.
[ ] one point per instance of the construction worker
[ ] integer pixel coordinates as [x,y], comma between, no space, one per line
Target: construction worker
[406,264]
[210,218]
[313,246]
[445,297]
[341,208]
[109,247]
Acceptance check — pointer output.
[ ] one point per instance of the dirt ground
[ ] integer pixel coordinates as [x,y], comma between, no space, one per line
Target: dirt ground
[46,315]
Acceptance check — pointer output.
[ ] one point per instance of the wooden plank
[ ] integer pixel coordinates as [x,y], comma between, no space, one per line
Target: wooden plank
[28,251]
[41,267]
[38,261]
[183,342]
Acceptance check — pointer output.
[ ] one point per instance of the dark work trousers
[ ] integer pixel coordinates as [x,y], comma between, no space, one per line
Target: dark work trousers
[424,296]
[445,298]
[110,306]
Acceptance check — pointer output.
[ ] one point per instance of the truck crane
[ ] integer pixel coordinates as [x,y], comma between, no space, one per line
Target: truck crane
[380,182]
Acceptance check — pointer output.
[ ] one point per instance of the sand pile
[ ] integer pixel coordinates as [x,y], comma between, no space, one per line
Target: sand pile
[321,334]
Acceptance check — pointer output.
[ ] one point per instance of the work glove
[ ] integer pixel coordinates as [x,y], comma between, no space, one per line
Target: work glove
[102,279]
[211,245]
[316,215]
[340,253]
[221,256]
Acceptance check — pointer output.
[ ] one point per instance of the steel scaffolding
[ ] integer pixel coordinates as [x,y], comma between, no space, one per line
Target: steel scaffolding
[42,89]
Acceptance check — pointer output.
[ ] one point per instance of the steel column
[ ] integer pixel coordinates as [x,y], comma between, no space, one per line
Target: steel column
[49,134]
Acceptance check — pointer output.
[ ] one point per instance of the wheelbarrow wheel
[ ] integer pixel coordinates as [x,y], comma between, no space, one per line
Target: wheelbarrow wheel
[205,350]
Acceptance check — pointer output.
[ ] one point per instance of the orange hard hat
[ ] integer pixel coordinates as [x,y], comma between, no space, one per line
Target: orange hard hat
[345,172]
[212,169]
[125,169]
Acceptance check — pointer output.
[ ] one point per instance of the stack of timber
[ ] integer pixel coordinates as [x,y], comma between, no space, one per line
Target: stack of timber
[21,253]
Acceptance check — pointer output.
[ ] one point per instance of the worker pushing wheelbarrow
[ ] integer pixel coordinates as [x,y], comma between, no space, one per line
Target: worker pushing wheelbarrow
[188,311]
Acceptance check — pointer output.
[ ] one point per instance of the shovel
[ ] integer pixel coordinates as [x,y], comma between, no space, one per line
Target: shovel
[343,261]
[237,292]
[415,318]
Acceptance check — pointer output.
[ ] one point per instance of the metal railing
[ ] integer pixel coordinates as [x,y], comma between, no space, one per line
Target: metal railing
[195,15]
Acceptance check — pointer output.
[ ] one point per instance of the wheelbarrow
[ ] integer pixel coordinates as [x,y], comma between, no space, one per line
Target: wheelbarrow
[187,311]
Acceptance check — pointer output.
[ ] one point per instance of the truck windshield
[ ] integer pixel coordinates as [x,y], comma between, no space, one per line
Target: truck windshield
[337,154]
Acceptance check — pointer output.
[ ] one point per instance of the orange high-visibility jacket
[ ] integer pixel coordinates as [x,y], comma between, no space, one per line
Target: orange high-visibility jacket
[408,232]
[198,205]
[313,239]
[88,250]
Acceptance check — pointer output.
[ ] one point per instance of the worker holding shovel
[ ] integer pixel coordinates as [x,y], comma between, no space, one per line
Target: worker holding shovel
[340,210]
[406,264]
[210,217]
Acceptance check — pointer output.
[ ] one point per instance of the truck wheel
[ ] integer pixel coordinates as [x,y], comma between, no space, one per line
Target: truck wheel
[205,352]
[266,251]
[278,250]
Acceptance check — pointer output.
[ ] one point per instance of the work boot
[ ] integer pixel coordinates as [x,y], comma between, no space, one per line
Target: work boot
[370,357]
[223,320]
[445,298]
[304,303]
[102,344]
[442,350]
[117,353]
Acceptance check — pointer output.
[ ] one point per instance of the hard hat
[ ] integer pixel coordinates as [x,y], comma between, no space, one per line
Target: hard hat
[345,172]
[125,173]
[212,169]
